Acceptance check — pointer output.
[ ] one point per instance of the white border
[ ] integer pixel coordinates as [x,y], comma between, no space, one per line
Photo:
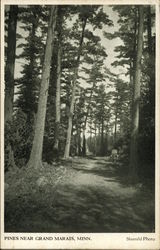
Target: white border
[99,240]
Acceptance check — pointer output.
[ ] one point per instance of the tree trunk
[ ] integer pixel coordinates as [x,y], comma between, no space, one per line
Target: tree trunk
[58,99]
[10,64]
[36,152]
[136,101]
[11,162]
[69,130]
[78,137]
[115,128]
[102,138]
[121,123]
[58,82]
[90,131]
[151,64]
[149,30]
[78,142]
[84,145]
[133,64]
[95,140]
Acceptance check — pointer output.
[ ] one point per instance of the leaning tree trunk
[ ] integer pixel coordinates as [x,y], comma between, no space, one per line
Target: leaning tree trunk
[69,130]
[136,101]
[36,152]
[10,63]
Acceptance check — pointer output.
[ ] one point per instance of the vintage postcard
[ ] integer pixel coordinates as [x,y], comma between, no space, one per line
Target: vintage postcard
[80,131]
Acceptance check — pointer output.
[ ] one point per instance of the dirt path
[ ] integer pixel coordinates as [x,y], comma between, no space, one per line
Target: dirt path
[98,177]
[96,200]
[93,198]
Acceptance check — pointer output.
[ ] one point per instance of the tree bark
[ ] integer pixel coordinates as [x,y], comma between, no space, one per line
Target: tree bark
[151,64]
[136,101]
[78,141]
[95,140]
[11,162]
[149,30]
[84,145]
[58,81]
[115,127]
[10,63]
[69,130]
[36,152]
[90,131]
[102,137]
[58,98]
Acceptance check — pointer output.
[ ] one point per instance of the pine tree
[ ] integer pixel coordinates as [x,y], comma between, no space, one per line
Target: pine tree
[58,80]
[136,99]
[10,63]
[36,152]
[28,84]
[9,82]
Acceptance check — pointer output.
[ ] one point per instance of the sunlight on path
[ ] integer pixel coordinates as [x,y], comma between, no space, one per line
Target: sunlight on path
[110,184]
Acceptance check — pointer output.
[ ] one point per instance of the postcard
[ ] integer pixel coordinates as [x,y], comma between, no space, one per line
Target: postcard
[80,127]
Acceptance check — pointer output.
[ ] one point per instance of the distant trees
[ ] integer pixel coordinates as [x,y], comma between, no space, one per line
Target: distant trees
[86,14]
[99,120]
[72,103]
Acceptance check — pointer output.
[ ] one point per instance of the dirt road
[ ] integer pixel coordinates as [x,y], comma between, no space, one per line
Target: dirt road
[93,198]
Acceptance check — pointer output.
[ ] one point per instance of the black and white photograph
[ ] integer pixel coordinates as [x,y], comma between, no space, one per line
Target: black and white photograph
[79,122]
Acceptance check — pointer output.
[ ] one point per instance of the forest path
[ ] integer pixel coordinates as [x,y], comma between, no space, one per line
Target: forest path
[95,199]
[93,196]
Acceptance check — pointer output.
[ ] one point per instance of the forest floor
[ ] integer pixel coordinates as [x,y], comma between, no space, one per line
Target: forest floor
[82,195]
